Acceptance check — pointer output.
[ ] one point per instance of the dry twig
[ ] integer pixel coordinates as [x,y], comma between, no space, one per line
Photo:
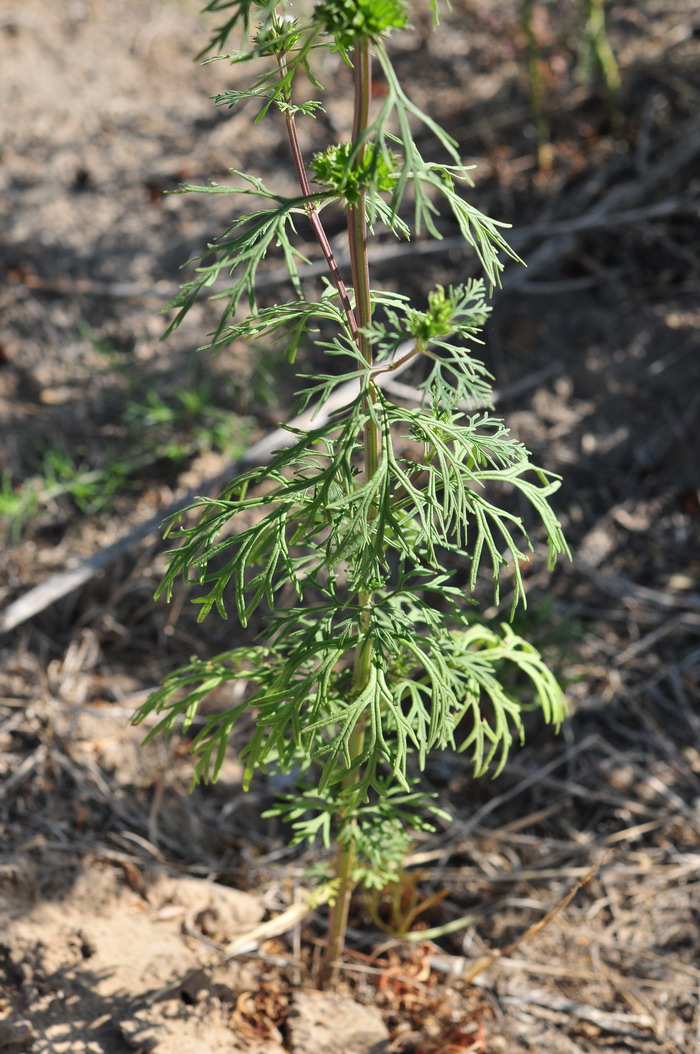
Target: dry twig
[488,960]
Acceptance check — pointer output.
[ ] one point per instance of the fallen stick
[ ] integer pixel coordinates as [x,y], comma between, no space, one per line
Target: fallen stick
[525,384]
[287,920]
[553,236]
[619,204]
[631,593]
[248,943]
[488,960]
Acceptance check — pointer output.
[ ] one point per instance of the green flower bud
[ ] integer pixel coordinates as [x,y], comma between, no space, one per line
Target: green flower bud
[277,36]
[437,321]
[352,20]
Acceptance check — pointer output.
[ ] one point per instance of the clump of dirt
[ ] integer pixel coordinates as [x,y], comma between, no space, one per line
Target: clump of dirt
[102,965]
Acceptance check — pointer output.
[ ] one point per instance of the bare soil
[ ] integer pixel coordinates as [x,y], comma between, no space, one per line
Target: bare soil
[120,892]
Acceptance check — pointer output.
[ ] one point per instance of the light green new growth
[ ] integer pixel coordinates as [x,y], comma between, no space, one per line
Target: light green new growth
[357,539]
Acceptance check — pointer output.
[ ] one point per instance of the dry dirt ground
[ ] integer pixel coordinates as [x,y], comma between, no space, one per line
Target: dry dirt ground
[120,893]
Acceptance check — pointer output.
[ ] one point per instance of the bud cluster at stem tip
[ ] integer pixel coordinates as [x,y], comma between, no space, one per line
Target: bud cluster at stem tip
[351,20]
[277,36]
[437,321]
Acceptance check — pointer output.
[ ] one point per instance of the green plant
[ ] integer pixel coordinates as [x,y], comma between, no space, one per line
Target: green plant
[536,82]
[60,474]
[18,503]
[183,425]
[68,473]
[354,539]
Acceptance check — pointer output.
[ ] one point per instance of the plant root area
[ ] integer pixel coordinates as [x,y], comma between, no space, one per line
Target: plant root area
[559,912]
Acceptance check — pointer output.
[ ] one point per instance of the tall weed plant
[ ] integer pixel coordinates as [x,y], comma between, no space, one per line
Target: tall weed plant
[364,537]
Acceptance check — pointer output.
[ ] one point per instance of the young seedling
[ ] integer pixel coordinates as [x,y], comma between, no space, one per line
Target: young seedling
[363,537]
[601,55]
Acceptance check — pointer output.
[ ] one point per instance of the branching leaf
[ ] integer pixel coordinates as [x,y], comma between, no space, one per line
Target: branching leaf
[242,248]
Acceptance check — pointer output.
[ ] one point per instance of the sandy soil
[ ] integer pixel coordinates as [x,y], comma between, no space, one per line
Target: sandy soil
[120,892]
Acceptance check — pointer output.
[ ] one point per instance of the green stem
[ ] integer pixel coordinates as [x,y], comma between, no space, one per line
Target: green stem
[603,53]
[357,242]
[357,238]
[398,363]
[315,221]
[345,853]
[537,91]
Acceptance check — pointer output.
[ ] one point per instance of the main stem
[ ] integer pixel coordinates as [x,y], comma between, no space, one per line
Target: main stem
[357,238]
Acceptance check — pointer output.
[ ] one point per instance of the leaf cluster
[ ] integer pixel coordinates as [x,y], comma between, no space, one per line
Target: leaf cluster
[425,690]
[313,514]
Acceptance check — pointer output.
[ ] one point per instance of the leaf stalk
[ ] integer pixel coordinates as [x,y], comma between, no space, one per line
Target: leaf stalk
[315,220]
